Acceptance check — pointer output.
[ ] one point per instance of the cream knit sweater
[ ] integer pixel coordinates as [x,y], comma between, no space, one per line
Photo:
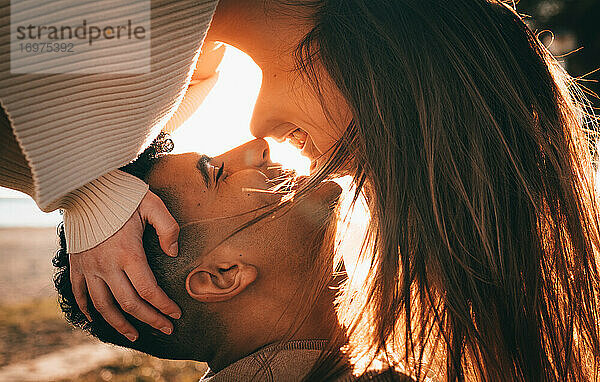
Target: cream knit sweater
[69,133]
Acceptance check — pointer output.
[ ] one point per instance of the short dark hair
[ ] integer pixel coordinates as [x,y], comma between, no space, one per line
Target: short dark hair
[170,274]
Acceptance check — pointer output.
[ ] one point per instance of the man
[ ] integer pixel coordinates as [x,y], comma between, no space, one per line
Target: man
[240,289]
[255,276]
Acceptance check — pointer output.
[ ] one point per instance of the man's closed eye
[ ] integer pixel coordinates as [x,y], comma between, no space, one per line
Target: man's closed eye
[211,174]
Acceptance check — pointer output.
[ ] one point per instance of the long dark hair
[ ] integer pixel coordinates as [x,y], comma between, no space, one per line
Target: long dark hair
[484,231]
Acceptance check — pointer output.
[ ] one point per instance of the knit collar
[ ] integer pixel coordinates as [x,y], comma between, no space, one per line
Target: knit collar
[288,361]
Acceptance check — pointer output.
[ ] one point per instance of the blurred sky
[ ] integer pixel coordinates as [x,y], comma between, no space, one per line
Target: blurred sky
[222,122]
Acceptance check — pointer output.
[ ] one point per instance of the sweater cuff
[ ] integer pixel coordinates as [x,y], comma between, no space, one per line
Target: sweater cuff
[96,211]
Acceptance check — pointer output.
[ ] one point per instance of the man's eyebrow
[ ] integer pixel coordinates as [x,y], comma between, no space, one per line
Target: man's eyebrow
[202,165]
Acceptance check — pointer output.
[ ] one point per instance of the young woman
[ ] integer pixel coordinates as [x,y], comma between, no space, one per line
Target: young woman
[474,150]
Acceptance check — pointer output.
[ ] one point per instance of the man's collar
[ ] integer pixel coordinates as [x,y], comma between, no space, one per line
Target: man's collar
[288,361]
[291,361]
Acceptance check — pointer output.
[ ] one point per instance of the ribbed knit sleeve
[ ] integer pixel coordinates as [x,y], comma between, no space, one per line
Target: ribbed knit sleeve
[100,208]
[14,169]
[75,130]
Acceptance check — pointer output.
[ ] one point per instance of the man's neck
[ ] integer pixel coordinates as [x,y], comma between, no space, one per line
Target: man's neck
[230,353]
[321,324]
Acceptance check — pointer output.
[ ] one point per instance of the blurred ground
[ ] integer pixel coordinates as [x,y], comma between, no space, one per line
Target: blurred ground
[36,343]
[25,255]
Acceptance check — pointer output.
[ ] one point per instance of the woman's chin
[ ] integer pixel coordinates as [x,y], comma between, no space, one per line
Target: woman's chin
[323,199]
[329,191]
[317,207]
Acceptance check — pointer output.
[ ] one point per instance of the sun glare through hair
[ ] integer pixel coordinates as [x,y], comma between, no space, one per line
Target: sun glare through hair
[222,121]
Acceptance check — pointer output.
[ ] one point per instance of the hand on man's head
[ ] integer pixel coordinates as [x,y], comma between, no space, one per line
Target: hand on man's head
[118,267]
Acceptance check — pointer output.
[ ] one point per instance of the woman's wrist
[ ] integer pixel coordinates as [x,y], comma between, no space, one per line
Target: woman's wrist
[94,212]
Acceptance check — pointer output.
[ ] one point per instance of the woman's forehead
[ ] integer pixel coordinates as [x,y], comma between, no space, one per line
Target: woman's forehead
[259,25]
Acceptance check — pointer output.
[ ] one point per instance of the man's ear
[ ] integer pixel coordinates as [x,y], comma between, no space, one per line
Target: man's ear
[219,282]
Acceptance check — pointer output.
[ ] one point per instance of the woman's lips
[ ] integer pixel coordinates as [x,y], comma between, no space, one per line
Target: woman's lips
[303,142]
[297,138]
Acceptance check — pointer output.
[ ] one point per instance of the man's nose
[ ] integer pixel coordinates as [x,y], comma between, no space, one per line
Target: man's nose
[257,153]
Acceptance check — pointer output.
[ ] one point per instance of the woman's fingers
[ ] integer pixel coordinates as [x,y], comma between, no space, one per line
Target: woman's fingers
[119,265]
[153,210]
[104,304]
[131,303]
[79,288]
[144,282]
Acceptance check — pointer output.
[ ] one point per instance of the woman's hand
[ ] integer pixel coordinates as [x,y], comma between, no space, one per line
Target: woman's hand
[117,269]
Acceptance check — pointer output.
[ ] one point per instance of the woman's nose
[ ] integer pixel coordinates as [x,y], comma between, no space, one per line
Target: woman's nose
[271,106]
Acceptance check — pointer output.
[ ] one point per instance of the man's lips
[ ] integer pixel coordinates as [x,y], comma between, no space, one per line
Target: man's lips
[299,182]
[326,191]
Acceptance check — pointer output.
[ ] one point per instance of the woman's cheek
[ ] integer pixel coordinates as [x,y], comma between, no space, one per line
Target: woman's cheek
[334,119]
[324,138]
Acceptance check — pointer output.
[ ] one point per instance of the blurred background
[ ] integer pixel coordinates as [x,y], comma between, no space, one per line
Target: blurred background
[35,342]
[574,25]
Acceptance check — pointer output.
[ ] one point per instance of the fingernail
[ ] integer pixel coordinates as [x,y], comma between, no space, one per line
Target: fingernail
[131,337]
[174,249]
[167,330]
[176,316]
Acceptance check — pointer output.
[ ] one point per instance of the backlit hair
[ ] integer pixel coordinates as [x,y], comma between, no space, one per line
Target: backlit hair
[475,152]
